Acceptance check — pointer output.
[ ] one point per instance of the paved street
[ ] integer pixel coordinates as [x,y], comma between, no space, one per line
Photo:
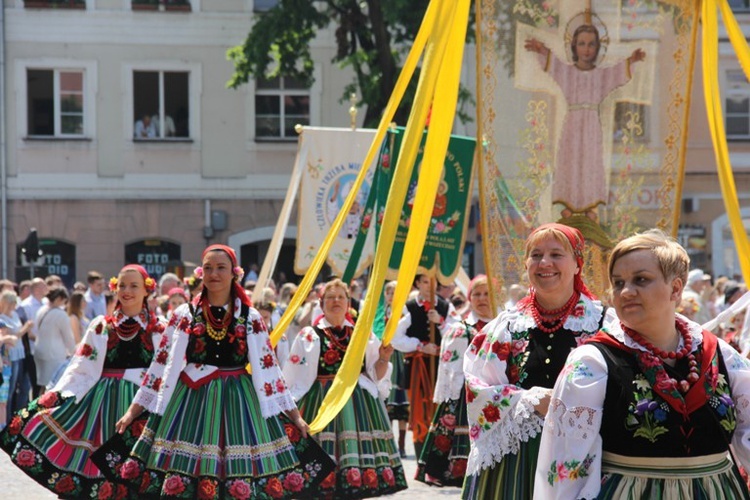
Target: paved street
[14,485]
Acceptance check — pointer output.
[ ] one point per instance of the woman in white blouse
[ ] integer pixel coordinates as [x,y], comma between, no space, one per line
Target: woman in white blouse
[54,340]
[650,406]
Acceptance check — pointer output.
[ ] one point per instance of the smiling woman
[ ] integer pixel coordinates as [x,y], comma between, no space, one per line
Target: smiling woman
[511,366]
[675,397]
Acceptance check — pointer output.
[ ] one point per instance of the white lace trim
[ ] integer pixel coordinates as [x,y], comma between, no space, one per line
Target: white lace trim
[742,403]
[577,422]
[146,399]
[274,405]
[519,321]
[506,438]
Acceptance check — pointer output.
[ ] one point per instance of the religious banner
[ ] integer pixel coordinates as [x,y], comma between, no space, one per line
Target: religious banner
[331,159]
[582,110]
[443,248]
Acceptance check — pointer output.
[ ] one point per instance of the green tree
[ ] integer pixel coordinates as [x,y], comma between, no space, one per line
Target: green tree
[372,37]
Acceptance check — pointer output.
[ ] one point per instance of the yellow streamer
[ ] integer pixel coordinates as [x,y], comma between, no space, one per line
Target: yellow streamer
[716,118]
[390,111]
[443,25]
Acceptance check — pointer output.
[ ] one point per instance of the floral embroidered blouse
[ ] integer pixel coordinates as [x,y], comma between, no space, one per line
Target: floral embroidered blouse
[247,342]
[314,354]
[450,373]
[508,367]
[639,422]
[101,349]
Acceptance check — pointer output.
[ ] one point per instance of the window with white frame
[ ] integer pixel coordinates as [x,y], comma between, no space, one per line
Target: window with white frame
[264,5]
[55,102]
[161,105]
[737,105]
[280,104]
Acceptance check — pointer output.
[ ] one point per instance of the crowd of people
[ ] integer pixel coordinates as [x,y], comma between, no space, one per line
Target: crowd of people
[172,388]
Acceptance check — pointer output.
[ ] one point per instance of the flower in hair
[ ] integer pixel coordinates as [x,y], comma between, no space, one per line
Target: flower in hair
[198,272]
[150,284]
[113,284]
[238,272]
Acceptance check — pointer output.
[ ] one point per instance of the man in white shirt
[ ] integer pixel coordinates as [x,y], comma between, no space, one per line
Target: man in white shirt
[96,304]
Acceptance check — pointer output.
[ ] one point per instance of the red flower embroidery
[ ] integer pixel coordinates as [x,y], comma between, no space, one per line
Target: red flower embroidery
[199,346]
[294,359]
[577,311]
[145,483]
[267,361]
[239,490]
[513,374]
[388,476]
[274,488]
[65,485]
[443,443]
[329,481]
[48,399]
[240,330]
[173,486]
[491,413]
[292,432]
[122,492]
[161,357]
[207,489]
[199,329]
[280,387]
[130,469]
[185,326]
[25,458]
[241,347]
[258,327]
[157,384]
[164,341]
[501,350]
[294,481]
[370,478]
[331,356]
[99,328]
[268,388]
[470,395]
[15,426]
[458,468]
[353,477]
[106,490]
[85,351]
[136,428]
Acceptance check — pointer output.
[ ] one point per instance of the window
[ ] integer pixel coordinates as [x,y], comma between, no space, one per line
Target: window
[161,105]
[739,5]
[55,4]
[55,103]
[182,5]
[264,5]
[280,104]
[631,122]
[737,105]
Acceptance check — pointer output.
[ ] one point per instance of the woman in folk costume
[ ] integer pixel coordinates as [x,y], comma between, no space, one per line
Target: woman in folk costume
[215,431]
[360,438]
[650,406]
[512,365]
[53,437]
[443,458]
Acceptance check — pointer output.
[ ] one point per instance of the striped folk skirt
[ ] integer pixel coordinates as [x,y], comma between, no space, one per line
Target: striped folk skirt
[52,439]
[446,448]
[512,477]
[709,477]
[360,440]
[212,442]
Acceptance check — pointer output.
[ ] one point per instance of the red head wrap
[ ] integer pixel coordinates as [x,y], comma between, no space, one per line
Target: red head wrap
[236,271]
[575,238]
[148,282]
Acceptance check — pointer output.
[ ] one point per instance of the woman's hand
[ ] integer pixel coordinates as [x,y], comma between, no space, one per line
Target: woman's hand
[543,406]
[133,412]
[385,352]
[429,348]
[534,45]
[434,316]
[298,421]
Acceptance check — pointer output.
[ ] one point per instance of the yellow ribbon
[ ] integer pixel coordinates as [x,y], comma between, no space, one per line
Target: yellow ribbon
[716,118]
[442,34]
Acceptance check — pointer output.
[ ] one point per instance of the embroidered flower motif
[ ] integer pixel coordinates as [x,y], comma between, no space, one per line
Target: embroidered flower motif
[173,485]
[458,468]
[353,477]
[84,351]
[16,424]
[25,458]
[292,432]
[389,477]
[294,359]
[161,357]
[240,490]
[268,361]
[370,478]
[48,399]
[130,469]
[331,356]
[443,442]
[268,388]
[572,470]
[65,485]
[207,489]
[294,482]
[280,387]
[274,488]
[330,481]
[491,413]
[448,421]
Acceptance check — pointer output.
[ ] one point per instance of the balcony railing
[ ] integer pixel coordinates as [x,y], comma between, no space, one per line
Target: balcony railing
[173,5]
[54,4]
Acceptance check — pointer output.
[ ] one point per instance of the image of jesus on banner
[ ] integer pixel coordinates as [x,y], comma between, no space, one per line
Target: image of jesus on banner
[585,92]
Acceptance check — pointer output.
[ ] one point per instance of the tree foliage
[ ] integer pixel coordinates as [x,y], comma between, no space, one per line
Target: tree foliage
[372,37]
